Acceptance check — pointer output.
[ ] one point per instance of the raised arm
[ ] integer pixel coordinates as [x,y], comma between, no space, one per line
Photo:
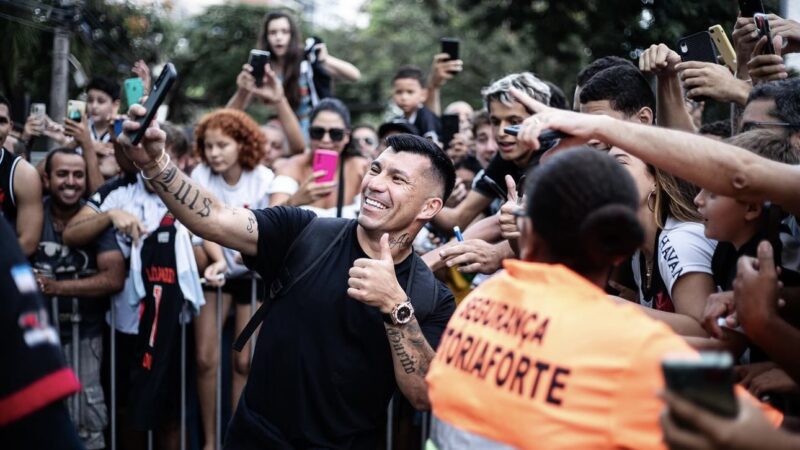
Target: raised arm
[719,167]
[30,214]
[191,203]
[671,111]
[338,69]
[463,214]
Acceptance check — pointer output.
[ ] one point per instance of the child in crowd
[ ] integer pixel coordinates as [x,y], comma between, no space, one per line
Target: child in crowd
[409,93]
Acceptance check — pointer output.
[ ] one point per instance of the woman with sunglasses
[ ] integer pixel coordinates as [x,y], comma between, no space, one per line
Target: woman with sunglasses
[296,182]
[230,145]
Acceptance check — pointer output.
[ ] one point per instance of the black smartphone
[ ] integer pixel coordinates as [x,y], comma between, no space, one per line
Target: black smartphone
[258,59]
[157,95]
[698,47]
[501,194]
[450,124]
[547,138]
[309,52]
[450,46]
[762,25]
[750,8]
[706,381]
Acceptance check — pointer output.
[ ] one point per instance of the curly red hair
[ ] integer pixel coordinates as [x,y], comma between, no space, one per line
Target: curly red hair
[240,127]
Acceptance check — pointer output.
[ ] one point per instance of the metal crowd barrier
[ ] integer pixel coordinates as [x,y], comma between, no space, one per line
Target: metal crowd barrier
[75,320]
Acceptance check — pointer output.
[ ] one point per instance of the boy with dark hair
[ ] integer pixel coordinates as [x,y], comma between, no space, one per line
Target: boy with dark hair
[608,85]
[593,69]
[409,94]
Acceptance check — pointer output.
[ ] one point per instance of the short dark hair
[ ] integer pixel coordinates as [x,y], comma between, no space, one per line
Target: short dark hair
[106,85]
[176,138]
[599,65]
[441,166]
[48,162]
[768,143]
[480,118]
[720,128]
[583,204]
[557,97]
[409,72]
[469,163]
[786,94]
[625,88]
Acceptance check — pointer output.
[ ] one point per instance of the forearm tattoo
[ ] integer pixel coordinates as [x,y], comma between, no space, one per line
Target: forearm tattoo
[412,350]
[184,192]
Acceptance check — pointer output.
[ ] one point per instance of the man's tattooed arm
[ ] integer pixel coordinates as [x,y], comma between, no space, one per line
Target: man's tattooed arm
[194,206]
[412,356]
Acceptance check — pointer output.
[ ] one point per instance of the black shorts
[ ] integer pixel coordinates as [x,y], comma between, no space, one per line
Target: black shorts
[240,289]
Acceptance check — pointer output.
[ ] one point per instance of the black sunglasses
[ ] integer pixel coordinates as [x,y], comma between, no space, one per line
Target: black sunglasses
[336,134]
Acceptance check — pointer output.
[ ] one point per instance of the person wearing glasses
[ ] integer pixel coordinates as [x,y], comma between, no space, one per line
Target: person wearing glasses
[22,207]
[296,181]
[365,140]
[773,105]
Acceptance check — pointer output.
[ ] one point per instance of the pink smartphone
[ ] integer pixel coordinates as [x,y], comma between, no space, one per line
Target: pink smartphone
[325,160]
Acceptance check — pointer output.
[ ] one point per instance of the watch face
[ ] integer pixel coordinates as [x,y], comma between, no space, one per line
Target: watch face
[403,314]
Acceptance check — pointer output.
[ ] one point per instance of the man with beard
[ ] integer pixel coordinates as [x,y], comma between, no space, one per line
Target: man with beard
[89,275]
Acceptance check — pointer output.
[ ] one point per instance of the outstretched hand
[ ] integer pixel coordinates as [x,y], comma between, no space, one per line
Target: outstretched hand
[150,148]
[507,219]
[373,281]
[756,290]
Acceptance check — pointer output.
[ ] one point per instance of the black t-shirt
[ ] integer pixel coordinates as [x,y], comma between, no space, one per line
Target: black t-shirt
[428,123]
[322,373]
[35,374]
[497,170]
[63,263]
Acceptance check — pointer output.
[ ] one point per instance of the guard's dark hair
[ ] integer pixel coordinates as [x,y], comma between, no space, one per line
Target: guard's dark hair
[441,166]
[623,86]
[583,204]
[557,97]
[720,128]
[106,85]
[48,162]
[409,72]
[786,94]
[599,65]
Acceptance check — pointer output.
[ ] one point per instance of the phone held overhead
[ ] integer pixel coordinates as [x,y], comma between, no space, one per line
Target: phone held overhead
[156,97]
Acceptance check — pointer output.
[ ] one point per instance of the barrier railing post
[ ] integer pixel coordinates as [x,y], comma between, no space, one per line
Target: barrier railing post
[113,375]
[184,318]
[75,319]
[218,409]
[253,284]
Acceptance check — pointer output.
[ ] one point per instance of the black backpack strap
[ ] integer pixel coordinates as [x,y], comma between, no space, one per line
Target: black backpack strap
[310,247]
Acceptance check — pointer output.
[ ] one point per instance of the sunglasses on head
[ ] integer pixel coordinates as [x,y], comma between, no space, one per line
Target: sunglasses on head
[336,134]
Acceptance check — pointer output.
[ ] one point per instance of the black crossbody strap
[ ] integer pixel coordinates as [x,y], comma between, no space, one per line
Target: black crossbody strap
[302,257]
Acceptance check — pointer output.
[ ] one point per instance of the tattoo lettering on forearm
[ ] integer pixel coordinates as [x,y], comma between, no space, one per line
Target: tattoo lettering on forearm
[396,342]
[186,194]
[401,241]
[420,345]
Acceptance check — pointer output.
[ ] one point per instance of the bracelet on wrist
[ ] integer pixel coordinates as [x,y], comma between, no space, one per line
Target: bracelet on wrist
[161,168]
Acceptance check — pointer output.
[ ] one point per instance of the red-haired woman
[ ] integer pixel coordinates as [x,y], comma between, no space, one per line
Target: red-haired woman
[230,146]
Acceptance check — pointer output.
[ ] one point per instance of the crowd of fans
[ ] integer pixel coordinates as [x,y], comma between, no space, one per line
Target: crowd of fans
[644,232]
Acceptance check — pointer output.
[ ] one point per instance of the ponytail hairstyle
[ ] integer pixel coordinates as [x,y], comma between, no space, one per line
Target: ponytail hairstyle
[583,205]
[292,58]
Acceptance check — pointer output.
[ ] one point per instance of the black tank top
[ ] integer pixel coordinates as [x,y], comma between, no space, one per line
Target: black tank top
[8,202]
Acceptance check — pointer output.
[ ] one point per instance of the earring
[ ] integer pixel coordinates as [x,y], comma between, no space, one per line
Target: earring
[651,201]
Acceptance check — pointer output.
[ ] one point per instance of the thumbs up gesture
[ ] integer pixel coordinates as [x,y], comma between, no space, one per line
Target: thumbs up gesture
[508,221]
[373,281]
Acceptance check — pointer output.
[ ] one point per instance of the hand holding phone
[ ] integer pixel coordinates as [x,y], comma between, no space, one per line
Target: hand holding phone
[258,59]
[160,89]
[706,381]
[762,25]
[327,161]
[547,138]
[749,8]
[134,90]
[76,110]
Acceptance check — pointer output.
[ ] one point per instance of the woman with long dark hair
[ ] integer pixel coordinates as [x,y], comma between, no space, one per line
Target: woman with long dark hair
[305,74]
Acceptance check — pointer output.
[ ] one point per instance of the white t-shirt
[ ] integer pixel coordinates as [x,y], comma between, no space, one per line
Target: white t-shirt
[683,248]
[284,184]
[251,191]
[130,195]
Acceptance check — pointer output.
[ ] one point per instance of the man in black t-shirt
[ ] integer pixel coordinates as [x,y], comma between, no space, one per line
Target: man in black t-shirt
[335,344]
